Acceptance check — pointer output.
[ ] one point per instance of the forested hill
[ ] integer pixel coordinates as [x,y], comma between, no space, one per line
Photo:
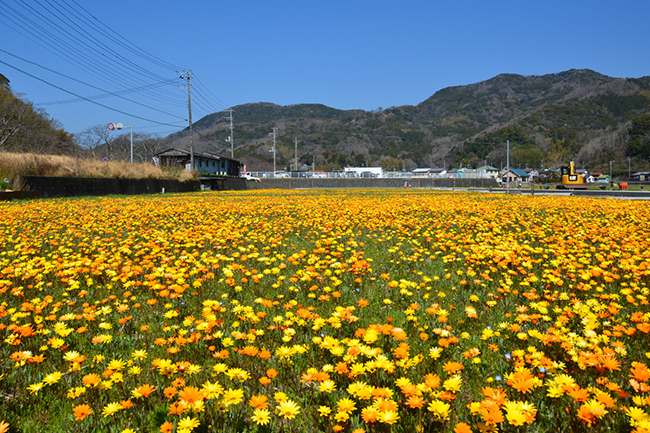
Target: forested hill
[24,128]
[549,119]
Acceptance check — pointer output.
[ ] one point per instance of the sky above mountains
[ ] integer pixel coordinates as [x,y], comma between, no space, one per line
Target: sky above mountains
[90,63]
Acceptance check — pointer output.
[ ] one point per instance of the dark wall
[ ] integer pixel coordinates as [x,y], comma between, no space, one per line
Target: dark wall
[223,183]
[48,186]
[370,183]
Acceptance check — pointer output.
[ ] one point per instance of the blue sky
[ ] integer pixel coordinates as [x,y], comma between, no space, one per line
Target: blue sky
[344,54]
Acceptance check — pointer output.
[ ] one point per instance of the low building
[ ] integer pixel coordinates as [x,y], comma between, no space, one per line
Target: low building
[516,176]
[204,162]
[487,171]
[363,172]
[640,176]
[429,172]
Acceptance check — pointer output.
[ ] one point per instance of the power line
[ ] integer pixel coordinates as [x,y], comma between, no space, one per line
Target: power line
[91,66]
[94,87]
[79,96]
[73,53]
[134,50]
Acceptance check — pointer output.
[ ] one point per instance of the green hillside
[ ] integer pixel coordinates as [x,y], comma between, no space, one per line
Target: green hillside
[578,114]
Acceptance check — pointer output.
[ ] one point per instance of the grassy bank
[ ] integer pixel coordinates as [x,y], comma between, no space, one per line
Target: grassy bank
[13,165]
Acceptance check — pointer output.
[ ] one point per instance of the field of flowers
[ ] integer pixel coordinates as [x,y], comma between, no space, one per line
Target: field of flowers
[305,311]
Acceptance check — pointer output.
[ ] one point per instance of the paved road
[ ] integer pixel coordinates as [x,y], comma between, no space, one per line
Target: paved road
[627,195]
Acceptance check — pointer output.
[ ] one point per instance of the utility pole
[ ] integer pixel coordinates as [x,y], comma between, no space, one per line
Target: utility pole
[274,134]
[186,75]
[629,169]
[295,141]
[231,139]
[508,166]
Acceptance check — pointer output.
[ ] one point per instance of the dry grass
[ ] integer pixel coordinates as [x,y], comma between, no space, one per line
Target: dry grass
[13,165]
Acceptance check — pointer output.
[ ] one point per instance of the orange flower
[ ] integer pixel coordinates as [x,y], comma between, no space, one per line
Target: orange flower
[452,367]
[190,394]
[640,371]
[271,373]
[415,402]
[169,392]
[432,381]
[91,379]
[176,408]
[362,303]
[461,427]
[143,391]
[167,427]
[259,401]
[522,381]
[81,411]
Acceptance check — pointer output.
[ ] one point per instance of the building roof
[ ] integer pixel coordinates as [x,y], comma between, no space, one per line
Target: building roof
[519,172]
[488,168]
[183,152]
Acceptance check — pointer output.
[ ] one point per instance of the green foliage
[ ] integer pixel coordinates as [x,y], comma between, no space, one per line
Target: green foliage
[639,144]
[619,105]
[481,147]
[455,120]
[24,128]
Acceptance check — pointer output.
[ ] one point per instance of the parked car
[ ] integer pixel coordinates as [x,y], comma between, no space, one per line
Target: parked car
[337,173]
[251,178]
[319,175]
[281,174]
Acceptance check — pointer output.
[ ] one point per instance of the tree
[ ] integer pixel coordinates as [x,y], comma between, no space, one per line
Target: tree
[24,128]
[101,143]
[639,140]
[97,140]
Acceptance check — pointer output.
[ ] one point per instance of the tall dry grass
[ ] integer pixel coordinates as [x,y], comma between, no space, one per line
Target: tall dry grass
[13,165]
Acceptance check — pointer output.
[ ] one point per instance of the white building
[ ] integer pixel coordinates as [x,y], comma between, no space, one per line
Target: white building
[364,172]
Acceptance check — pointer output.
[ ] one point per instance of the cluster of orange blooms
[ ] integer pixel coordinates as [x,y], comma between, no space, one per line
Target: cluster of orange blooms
[336,310]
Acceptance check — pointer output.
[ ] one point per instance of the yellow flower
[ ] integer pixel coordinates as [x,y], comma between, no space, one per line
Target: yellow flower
[52,378]
[188,423]
[454,383]
[327,386]
[111,409]
[116,365]
[139,354]
[435,352]
[324,410]
[288,409]
[440,410]
[261,416]
[34,388]
[233,396]
[388,417]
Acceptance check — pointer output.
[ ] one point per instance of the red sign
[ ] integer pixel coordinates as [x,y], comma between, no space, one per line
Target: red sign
[111,126]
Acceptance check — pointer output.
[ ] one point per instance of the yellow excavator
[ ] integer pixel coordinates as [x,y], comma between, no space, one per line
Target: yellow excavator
[569,179]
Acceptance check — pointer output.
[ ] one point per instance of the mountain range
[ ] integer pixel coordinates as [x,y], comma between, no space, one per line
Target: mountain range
[578,115]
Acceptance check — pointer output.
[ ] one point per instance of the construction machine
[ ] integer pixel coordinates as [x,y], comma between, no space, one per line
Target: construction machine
[569,179]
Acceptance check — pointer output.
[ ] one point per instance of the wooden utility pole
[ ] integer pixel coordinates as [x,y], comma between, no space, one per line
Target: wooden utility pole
[231,138]
[295,141]
[186,75]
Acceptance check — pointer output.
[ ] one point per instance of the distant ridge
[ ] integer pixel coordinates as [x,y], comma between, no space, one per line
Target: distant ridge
[549,119]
